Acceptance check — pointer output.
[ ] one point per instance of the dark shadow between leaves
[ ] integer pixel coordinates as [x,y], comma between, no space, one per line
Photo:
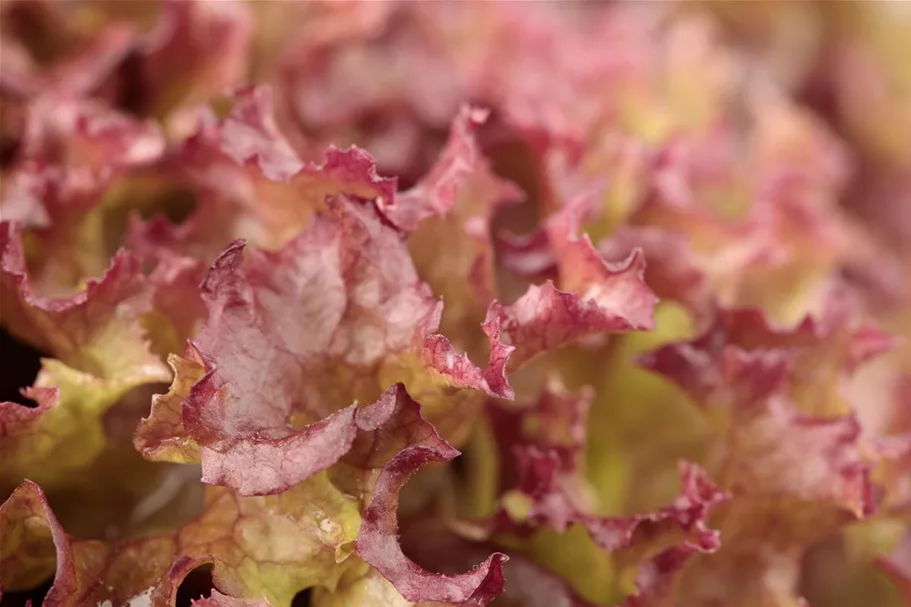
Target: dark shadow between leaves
[197,585]
[302,598]
[21,364]
[35,596]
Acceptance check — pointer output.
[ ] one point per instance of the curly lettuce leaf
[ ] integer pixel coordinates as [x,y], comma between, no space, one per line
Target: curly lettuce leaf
[437,548]
[452,207]
[803,475]
[273,546]
[259,547]
[28,554]
[195,51]
[546,506]
[65,432]
[161,436]
[75,167]
[601,298]
[640,557]
[368,322]
[251,184]
[378,542]
[74,55]
[827,349]
[97,330]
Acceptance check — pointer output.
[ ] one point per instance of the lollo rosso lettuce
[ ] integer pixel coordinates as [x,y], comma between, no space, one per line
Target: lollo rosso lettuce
[439,304]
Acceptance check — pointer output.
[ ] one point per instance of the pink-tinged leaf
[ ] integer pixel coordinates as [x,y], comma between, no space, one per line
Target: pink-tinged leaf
[64,435]
[823,350]
[100,351]
[714,374]
[100,354]
[795,476]
[750,328]
[774,446]
[80,73]
[96,331]
[529,255]
[557,245]
[196,51]
[497,364]
[201,237]
[330,70]
[536,48]
[302,307]
[553,506]
[228,533]
[178,308]
[604,298]
[256,466]
[555,423]
[378,542]
[324,322]
[450,179]
[26,524]
[775,251]
[250,135]
[434,546]
[892,457]
[440,355]
[384,428]
[673,272]
[618,287]
[250,183]
[54,204]
[85,569]
[27,192]
[16,416]
[74,132]
[71,154]
[250,138]
[780,451]
[595,297]
[71,151]
[451,209]
[161,436]
[659,543]
[657,578]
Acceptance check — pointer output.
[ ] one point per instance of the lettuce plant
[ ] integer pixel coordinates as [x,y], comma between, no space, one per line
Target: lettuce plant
[349,303]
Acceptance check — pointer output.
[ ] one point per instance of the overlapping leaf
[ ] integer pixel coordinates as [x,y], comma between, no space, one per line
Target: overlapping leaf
[754,155]
[792,469]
